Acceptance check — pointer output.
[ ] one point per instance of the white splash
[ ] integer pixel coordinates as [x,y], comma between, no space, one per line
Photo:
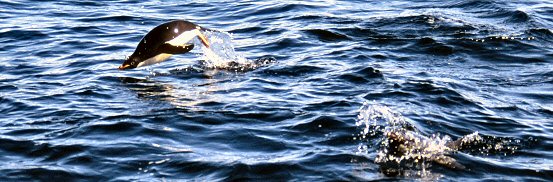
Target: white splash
[379,119]
[375,118]
[400,145]
[404,150]
[221,51]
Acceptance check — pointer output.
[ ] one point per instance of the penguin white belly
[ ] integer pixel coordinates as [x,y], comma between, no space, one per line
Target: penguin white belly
[153,60]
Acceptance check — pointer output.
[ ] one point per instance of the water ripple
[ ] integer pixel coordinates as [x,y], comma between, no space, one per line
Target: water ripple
[281,94]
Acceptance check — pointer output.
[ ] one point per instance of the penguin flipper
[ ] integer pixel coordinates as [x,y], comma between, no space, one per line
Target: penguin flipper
[171,49]
[449,162]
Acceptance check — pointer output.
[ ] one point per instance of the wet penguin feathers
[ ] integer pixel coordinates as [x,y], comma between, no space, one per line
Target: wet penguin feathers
[161,42]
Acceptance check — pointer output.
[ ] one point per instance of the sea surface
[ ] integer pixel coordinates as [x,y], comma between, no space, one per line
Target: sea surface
[447,90]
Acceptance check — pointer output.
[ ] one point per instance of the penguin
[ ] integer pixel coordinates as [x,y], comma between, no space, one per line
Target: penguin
[161,42]
[404,144]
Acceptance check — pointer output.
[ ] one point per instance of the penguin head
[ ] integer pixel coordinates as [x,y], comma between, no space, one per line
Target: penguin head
[130,63]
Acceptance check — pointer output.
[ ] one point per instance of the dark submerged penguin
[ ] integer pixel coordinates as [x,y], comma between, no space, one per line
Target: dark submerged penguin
[405,144]
[163,41]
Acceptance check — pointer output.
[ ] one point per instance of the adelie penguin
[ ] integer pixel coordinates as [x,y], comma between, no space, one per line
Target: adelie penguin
[163,41]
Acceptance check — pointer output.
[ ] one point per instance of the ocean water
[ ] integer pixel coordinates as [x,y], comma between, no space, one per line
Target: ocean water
[448,90]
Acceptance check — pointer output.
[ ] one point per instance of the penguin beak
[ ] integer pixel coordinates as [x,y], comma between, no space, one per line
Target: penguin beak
[204,40]
[124,66]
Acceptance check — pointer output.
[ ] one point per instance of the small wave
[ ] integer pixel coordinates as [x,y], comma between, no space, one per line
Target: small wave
[10,3]
[501,49]
[22,35]
[119,127]
[91,29]
[117,18]
[362,75]
[12,107]
[254,29]
[540,33]
[430,46]
[320,124]
[518,17]
[86,3]
[324,18]
[294,70]
[477,4]
[7,88]
[426,91]
[326,35]
[278,8]
[46,173]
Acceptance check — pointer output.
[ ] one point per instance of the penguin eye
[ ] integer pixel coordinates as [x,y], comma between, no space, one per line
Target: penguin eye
[132,63]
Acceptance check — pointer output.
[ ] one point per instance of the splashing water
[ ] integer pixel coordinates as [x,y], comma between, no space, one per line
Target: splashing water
[398,143]
[376,117]
[221,52]
[222,55]
[403,150]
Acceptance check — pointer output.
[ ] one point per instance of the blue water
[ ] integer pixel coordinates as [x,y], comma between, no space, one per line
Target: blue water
[346,73]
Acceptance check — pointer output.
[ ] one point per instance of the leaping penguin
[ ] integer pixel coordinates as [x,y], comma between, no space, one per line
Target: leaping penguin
[163,41]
